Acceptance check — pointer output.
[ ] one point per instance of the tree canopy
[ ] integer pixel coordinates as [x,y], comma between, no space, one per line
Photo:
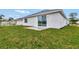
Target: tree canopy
[10,18]
[73,15]
[1,16]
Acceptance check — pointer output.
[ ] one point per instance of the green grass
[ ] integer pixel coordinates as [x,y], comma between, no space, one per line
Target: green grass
[20,37]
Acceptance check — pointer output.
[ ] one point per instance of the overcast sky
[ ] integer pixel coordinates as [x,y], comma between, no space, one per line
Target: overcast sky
[16,13]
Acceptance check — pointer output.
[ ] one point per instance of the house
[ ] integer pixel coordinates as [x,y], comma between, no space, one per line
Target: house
[54,18]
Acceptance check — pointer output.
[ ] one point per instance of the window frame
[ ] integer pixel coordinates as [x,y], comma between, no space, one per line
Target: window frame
[25,20]
[42,20]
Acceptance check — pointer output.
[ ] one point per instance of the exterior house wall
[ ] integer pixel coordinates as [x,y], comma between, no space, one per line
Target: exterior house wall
[56,21]
[31,22]
[53,21]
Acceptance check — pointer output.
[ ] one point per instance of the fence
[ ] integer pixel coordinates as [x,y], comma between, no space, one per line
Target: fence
[10,23]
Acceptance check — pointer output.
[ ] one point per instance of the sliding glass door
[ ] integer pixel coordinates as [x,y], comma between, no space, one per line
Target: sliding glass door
[42,20]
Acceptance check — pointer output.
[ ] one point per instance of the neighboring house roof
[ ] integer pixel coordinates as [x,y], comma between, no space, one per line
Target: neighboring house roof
[45,12]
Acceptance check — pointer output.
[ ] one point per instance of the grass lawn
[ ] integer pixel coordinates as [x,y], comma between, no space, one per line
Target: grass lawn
[20,37]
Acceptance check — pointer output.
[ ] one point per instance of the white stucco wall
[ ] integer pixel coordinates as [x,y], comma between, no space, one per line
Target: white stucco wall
[56,21]
[53,21]
[33,21]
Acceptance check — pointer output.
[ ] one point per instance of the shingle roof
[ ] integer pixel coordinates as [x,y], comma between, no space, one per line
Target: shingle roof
[45,12]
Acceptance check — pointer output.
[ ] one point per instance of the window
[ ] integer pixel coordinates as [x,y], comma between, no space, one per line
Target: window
[42,20]
[25,20]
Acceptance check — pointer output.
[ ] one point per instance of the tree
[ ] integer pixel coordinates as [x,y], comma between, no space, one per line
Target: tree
[1,17]
[10,18]
[73,15]
[11,21]
[73,18]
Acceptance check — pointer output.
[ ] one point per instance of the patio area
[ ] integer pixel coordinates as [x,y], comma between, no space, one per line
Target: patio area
[37,28]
